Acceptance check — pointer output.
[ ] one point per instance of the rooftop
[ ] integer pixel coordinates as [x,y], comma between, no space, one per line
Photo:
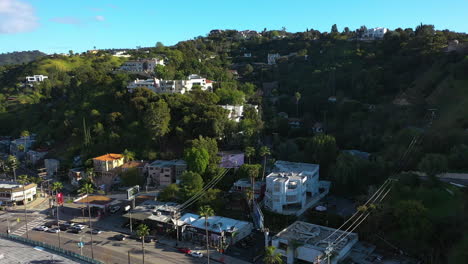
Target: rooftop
[133,164]
[219,224]
[109,157]
[316,236]
[153,210]
[167,163]
[296,167]
[94,199]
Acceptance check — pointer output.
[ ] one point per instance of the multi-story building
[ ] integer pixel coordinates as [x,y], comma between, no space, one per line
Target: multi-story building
[12,192]
[293,187]
[375,33]
[32,157]
[20,146]
[144,65]
[311,243]
[36,78]
[165,172]
[107,162]
[172,86]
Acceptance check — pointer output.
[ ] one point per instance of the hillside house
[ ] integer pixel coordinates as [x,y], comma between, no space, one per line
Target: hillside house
[107,162]
[172,86]
[375,33]
[143,65]
[165,172]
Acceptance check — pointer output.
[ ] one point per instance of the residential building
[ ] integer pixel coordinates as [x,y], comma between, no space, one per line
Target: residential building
[20,146]
[139,166]
[122,54]
[33,157]
[165,172]
[247,34]
[271,59]
[36,78]
[12,192]
[172,86]
[231,159]
[311,242]
[375,33]
[236,112]
[144,65]
[222,231]
[51,166]
[242,185]
[76,175]
[107,162]
[294,187]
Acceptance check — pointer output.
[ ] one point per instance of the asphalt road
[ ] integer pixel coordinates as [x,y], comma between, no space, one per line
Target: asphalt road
[106,249]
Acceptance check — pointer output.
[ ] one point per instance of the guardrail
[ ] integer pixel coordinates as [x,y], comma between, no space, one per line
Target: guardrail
[54,249]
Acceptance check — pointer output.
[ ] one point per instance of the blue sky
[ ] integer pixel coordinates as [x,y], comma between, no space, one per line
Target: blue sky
[78,25]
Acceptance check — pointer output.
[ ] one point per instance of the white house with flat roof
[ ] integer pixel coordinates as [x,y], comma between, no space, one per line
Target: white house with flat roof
[294,187]
[36,78]
[312,241]
[375,33]
[222,231]
[172,86]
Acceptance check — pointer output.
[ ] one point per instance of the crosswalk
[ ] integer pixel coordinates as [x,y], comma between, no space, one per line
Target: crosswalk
[31,224]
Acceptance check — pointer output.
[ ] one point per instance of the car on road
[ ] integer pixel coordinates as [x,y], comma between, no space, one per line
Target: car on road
[114,209]
[96,231]
[119,237]
[41,228]
[196,254]
[184,250]
[53,230]
[50,224]
[68,224]
[148,239]
[63,228]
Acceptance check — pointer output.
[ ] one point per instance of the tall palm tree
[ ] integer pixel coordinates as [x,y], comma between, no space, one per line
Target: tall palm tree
[57,186]
[128,155]
[23,179]
[142,232]
[264,152]
[206,211]
[249,152]
[249,195]
[12,165]
[271,256]
[87,189]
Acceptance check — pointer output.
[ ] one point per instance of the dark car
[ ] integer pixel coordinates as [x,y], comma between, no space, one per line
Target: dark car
[75,231]
[134,236]
[50,224]
[120,237]
[63,228]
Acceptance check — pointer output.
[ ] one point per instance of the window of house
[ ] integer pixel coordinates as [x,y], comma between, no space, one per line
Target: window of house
[283,246]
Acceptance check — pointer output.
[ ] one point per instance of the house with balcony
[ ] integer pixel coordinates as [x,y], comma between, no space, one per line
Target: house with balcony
[143,65]
[308,243]
[294,187]
[165,172]
[172,86]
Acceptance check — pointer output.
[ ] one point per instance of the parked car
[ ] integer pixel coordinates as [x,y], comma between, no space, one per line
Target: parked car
[184,250]
[114,209]
[41,228]
[96,231]
[148,239]
[78,226]
[53,230]
[75,230]
[119,237]
[63,228]
[196,254]
[50,224]
[68,224]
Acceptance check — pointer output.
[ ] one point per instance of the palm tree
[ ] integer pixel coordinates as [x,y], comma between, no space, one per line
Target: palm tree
[128,155]
[12,165]
[249,194]
[206,211]
[23,179]
[264,152]
[87,189]
[249,152]
[57,186]
[297,95]
[271,256]
[142,232]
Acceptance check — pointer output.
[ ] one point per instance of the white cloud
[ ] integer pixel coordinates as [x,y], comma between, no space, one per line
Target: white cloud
[17,16]
[99,18]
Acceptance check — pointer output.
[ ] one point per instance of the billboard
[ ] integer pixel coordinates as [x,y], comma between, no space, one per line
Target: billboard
[132,192]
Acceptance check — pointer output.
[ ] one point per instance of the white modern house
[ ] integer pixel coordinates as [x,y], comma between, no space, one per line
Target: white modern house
[308,242]
[236,112]
[36,78]
[144,65]
[172,86]
[294,187]
[271,59]
[375,33]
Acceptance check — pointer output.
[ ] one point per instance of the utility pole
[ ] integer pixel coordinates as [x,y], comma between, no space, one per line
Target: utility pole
[129,256]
